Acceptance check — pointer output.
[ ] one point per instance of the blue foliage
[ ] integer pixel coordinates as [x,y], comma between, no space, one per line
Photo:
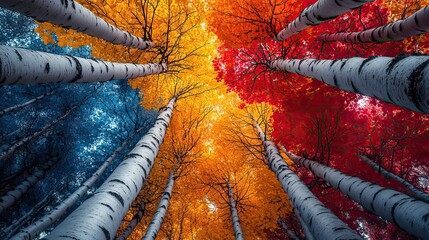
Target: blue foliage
[107,113]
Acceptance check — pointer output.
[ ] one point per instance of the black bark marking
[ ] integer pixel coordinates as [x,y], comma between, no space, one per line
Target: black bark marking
[354,88]
[78,70]
[47,68]
[121,182]
[374,196]
[71,237]
[92,68]
[106,232]
[425,217]
[365,62]
[117,196]
[414,84]
[19,55]
[394,61]
[133,155]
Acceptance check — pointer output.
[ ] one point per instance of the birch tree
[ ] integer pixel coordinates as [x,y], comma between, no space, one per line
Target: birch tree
[27,103]
[71,14]
[401,209]
[321,11]
[403,80]
[99,217]
[416,192]
[133,223]
[40,225]
[238,232]
[321,221]
[23,66]
[416,24]
[10,198]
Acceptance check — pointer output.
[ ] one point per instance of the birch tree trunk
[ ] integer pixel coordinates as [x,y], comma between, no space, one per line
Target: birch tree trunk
[238,232]
[99,217]
[403,80]
[23,105]
[306,230]
[10,198]
[40,225]
[21,66]
[408,213]
[70,14]
[413,25]
[158,217]
[133,223]
[11,150]
[289,232]
[416,192]
[321,221]
[321,11]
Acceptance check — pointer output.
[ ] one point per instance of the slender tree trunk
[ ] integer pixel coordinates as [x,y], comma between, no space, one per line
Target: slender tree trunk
[10,198]
[403,81]
[99,217]
[8,232]
[70,14]
[40,225]
[408,213]
[133,223]
[11,150]
[416,192]
[22,105]
[289,232]
[321,11]
[238,232]
[22,66]
[158,217]
[321,221]
[306,230]
[413,25]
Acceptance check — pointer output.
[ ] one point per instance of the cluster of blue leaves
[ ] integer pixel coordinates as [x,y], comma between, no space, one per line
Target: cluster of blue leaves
[106,114]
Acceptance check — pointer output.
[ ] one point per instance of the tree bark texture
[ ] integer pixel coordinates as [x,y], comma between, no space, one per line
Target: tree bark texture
[40,225]
[321,11]
[403,80]
[71,14]
[100,216]
[158,217]
[408,213]
[22,66]
[321,221]
[305,229]
[413,25]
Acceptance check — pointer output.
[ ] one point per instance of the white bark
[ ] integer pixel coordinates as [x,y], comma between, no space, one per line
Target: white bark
[416,192]
[403,80]
[22,105]
[321,221]
[321,11]
[133,223]
[306,230]
[10,198]
[40,225]
[413,25]
[238,232]
[99,217]
[22,66]
[158,217]
[11,150]
[408,213]
[70,14]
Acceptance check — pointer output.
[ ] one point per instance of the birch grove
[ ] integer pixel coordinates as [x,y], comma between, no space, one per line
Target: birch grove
[40,225]
[403,80]
[21,66]
[407,212]
[321,11]
[71,14]
[416,24]
[321,221]
[161,210]
[99,217]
